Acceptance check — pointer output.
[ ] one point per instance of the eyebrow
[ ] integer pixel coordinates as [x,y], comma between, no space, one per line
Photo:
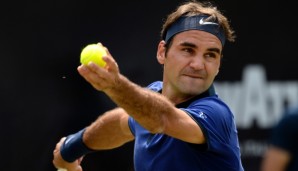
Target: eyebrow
[188,44]
[214,50]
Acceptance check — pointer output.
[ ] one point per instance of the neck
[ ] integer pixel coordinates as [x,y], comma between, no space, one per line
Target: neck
[180,97]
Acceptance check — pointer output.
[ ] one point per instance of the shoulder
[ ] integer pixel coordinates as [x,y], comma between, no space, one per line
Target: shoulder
[211,107]
[212,103]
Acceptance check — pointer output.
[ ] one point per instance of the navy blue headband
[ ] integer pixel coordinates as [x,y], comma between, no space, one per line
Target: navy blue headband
[196,22]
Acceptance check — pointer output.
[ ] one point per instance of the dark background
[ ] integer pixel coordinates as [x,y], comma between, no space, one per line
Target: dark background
[43,97]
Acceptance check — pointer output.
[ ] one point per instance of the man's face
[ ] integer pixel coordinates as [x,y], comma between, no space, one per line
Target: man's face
[191,63]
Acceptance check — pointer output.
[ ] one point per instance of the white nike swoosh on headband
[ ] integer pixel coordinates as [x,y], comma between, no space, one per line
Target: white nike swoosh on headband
[202,22]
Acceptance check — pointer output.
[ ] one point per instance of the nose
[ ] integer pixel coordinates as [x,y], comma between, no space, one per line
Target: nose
[197,62]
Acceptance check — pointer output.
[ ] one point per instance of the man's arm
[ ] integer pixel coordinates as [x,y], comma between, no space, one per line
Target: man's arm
[109,131]
[275,159]
[153,111]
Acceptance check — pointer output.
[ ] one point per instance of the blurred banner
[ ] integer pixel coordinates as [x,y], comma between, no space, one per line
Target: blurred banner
[258,104]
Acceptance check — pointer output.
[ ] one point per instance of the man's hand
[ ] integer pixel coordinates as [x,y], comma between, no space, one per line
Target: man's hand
[59,163]
[101,78]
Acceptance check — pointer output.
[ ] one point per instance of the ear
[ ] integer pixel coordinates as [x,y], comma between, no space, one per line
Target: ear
[161,52]
[218,68]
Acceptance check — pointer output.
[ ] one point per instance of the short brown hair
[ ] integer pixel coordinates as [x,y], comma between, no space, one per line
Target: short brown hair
[192,8]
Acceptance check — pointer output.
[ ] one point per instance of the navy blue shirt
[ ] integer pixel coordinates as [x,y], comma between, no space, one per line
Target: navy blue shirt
[160,152]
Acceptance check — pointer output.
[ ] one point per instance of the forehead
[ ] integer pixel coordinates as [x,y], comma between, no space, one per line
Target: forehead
[200,38]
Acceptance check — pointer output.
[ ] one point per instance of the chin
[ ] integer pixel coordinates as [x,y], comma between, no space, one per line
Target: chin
[193,86]
[194,90]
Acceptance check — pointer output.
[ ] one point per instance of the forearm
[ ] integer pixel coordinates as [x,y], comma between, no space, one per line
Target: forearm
[109,131]
[147,107]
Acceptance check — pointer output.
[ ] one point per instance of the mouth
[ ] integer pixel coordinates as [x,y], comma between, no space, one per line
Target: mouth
[194,76]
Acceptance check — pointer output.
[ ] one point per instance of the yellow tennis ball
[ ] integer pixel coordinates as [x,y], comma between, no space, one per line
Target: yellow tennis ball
[94,53]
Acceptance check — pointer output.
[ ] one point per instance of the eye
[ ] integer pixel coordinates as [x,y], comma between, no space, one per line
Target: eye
[211,56]
[188,50]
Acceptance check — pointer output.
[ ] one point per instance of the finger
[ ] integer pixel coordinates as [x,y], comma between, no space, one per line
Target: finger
[105,48]
[89,73]
[108,58]
[58,145]
[96,69]
[60,142]
[91,76]
[62,139]
[98,74]
[112,64]
[83,69]
[100,44]
[108,52]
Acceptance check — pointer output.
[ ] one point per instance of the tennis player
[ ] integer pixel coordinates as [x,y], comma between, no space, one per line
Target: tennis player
[177,124]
